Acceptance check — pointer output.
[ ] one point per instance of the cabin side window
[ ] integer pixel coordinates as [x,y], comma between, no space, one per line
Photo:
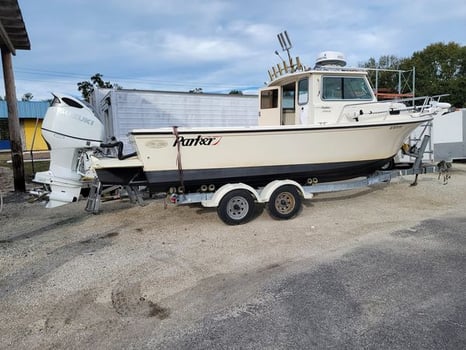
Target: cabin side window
[288,96]
[346,88]
[269,99]
[303,91]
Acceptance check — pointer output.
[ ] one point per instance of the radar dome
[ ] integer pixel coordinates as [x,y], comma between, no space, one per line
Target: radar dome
[330,58]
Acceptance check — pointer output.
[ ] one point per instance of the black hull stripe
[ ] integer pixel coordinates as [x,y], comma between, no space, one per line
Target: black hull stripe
[255,176]
[267,130]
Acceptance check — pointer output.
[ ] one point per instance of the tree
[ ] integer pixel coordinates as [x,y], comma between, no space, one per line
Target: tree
[87,87]
[386,78]
[27,97]
[441,69]
[235,92]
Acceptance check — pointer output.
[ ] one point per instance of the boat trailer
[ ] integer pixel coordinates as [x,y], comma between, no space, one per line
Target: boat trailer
[236,202]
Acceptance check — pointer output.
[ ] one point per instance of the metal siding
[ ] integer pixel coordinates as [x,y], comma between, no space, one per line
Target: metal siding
[26,109]
[449,136]
[448,128]
[449,151]
[32,109]
[154,109]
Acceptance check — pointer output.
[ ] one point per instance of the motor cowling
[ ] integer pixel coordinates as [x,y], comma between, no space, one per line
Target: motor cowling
[69,123]
[71,130]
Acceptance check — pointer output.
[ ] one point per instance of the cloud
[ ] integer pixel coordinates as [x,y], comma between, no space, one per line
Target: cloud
[214,44]
[193,48]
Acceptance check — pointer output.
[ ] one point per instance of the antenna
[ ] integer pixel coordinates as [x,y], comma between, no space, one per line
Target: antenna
[285,43]
[284,67]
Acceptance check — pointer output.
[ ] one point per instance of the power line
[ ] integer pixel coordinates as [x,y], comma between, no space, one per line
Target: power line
[30,72]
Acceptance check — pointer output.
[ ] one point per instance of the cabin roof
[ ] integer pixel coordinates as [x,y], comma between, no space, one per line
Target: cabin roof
[290,77]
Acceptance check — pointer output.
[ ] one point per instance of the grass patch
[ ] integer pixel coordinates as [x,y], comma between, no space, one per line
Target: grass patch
[29,168]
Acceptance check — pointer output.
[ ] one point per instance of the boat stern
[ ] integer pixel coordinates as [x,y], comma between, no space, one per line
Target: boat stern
[113,171]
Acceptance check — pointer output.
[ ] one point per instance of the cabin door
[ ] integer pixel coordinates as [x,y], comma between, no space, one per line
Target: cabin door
[270,107]
[303,101]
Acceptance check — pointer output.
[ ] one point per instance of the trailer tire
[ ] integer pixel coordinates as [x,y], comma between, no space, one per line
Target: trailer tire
[236,207]
[285,202]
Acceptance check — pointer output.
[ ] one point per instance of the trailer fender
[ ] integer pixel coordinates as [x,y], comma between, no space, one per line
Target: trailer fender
[222,191]
[266,193]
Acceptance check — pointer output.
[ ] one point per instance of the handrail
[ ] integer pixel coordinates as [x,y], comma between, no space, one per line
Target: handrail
[425,104]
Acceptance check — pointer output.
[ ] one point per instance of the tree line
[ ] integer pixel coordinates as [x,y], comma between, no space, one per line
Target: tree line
[439,69]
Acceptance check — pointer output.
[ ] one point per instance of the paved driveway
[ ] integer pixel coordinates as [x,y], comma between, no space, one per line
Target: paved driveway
[404,291]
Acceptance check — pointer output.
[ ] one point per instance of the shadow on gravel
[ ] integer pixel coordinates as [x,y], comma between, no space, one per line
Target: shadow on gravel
[44,229]
[52,261]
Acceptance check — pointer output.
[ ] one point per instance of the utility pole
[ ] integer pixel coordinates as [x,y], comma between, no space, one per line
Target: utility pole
[13,122]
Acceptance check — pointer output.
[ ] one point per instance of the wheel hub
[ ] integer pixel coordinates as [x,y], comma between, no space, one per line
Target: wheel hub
[238,208]
[285,203]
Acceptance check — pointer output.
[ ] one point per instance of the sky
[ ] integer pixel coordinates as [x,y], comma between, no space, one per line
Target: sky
[217,45]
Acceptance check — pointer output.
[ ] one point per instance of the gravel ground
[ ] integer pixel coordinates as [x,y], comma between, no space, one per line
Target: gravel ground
[69,279]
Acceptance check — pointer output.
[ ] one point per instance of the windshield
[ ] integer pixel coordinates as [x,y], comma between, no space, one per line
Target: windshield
[346,88]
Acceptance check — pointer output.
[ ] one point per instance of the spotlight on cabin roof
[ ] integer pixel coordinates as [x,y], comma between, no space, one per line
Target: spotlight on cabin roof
[330,58]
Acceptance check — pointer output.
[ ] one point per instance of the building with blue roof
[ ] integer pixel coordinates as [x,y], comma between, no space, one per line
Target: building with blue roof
[31,114]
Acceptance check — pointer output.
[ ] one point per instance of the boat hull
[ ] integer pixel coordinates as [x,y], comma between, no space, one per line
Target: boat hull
[194,179]
[192,158]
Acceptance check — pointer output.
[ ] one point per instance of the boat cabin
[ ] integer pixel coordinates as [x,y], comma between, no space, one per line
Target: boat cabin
[300,96]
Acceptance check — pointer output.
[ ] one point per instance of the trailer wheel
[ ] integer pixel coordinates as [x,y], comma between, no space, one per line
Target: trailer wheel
[285,202]
[236,207]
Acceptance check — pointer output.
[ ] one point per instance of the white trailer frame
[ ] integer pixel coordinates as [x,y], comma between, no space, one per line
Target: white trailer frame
[282,202]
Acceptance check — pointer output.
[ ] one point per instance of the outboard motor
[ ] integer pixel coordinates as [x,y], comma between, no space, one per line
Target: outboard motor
[70,129]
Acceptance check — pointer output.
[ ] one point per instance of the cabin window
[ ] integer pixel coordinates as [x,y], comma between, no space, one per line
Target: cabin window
[346,88]
[288,96]
[269,99]
[303,92]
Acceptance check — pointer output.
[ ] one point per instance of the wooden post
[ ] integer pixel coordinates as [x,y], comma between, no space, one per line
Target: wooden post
[13,122]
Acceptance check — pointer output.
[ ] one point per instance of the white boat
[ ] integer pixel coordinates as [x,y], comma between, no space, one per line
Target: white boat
[315,125]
